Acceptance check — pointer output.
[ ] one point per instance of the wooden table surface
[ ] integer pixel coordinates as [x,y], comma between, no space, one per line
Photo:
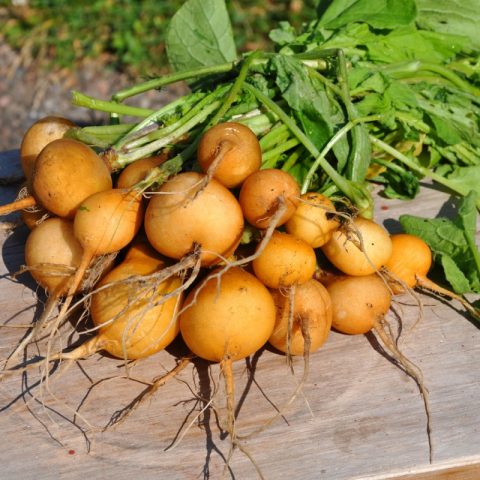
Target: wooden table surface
[358,417]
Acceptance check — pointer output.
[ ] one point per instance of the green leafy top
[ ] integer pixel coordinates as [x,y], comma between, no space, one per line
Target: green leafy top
[452,243]
[200,34]
[378,13]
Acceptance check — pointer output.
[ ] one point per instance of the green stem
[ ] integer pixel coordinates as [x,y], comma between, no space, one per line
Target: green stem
[102,136]
[235,90]
[292,159]
[159,175]
[155,117]
[172,78]
[320,158]
[148,149]
[82,100]
[425,172]
[166,131]
[359,156]
[156,83]
[410,69]
[269,159]
[259,124]
[275,135]
[390,165]
[356,192]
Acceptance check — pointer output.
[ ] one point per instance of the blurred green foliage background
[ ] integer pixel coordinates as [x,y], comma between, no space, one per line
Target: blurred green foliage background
[127,35]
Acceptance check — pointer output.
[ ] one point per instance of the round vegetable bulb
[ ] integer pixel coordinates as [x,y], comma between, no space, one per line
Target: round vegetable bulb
[66,173]
[185,212]
[233,149]
[361,250]
[105,223]
[137,171]
[409,264]
[108,221]
[40,134]
[227,317]
[135,319]
[314,220]
[312,316]
[286,260]
[411,258]
[358,303]
[260,196]
[53,253]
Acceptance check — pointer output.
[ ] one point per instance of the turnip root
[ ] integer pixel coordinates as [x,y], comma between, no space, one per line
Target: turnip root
[359,305]
[66,172]
[183,213]
[135,317]
[40,134]
[311,317]
[227,318]
[105,223]
[409,264]
[285,261]
[231,316]
[232,150]
[136,171]
[314,220]
[259,196]
[360,249]
[53,253]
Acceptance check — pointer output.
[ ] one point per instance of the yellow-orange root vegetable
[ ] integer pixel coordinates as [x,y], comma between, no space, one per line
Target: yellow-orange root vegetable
[260,193]
[286,260]
[137,171]
[362,250]
[134,318]
[411,258]
[104,223]
[409,264]
[358,303]
[40,134]
[235,147]
[185,213]
[66,173]
[311,316]
[227,317]
[314,219]
[53,253]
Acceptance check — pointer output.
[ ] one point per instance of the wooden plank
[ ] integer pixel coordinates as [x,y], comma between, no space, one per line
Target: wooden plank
[468,471]
[358,417]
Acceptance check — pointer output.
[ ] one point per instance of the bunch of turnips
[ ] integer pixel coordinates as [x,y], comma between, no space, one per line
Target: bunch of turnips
[223,251]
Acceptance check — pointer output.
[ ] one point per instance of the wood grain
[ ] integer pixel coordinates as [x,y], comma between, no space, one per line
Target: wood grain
[359,416]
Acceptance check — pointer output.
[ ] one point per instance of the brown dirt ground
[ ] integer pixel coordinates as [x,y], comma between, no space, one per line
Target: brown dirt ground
[28,93]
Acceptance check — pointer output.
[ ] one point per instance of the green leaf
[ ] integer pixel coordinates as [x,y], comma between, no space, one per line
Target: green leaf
[307,97]
[283,35]
[377,13]
[406,44]
[467,215]
[454,275]
[452,243]
[199,35]
[459,17]
[466,178]
[401,184]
